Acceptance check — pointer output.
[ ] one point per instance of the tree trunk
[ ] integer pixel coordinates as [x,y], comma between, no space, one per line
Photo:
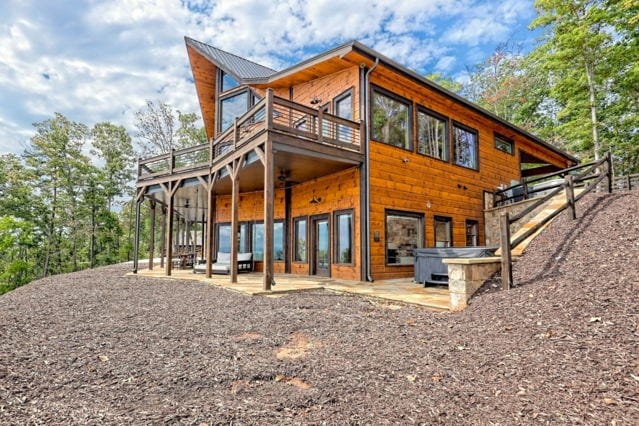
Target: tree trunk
[592,98]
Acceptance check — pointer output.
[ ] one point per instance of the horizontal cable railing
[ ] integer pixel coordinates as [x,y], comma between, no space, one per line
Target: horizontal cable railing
[270,113]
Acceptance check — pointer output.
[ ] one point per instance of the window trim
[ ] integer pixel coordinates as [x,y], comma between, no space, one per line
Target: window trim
[409,126]
[294,240]
[447,129]
[504,139]
[476,223]
[337,213]
[346,93]
[452,142]
[407,213]
[284,242]
[440,218]
[248,240]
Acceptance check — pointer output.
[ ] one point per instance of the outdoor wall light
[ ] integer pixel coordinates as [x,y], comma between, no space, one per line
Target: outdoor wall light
[405,160]
[315,100]
[315,200]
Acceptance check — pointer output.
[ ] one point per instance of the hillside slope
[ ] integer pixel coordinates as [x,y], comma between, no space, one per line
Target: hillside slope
[561,347]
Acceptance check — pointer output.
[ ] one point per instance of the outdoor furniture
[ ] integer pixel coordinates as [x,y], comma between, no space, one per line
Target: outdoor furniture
[222,263]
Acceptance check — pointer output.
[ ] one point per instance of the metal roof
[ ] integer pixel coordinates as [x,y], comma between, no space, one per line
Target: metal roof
[239,68]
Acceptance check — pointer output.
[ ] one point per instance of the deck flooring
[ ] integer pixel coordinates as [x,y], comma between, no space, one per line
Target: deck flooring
[398,290]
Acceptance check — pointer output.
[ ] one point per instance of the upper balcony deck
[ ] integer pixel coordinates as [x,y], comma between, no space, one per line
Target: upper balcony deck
[299,126]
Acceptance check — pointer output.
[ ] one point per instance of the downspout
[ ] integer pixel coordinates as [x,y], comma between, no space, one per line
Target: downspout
[367,107]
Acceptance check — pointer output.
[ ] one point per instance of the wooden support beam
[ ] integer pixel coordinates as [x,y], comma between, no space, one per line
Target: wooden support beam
[259,153]
[235,200]
[169,233]
[151,234]
[163,237]
[570,196]
[136,247]
[287,226]
[506,259]
[210,220]
[269,212]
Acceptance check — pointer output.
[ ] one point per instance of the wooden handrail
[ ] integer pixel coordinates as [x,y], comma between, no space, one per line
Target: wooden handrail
[569,184]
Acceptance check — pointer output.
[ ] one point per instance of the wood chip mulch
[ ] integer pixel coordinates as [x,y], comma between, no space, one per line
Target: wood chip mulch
[96,347]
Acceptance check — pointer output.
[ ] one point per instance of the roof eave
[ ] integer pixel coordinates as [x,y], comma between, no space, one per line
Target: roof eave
[391,63]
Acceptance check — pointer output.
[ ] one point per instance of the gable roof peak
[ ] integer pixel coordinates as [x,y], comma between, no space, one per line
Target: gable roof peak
[238,67]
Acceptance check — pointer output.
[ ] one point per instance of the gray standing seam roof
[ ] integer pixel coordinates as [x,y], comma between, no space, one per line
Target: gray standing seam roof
[234,65]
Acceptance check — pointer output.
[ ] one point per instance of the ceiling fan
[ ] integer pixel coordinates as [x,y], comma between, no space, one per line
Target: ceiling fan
[284,179]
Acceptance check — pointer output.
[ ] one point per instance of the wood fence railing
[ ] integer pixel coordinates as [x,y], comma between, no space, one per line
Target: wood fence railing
[626,182]
[589,176]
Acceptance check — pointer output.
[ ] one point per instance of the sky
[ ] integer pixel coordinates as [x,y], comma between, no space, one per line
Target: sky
[100,60]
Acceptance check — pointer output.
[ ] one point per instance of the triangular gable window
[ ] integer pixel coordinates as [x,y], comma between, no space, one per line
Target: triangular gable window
[228,82]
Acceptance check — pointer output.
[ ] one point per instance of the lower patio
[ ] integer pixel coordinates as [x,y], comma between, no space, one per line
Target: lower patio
[398,290]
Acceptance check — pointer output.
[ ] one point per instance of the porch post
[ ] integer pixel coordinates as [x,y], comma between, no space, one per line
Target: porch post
[163,238]
[210,215]
[235,198]
[269,195]
[152,235]
[169,232]
[136,248]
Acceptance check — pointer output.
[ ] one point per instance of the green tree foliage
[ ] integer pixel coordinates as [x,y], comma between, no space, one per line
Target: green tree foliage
[578,88]
[160,129]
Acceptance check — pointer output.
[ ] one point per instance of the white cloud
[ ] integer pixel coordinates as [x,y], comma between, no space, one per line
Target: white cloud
[99,60]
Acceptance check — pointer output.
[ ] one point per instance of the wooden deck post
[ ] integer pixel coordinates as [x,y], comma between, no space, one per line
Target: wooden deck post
[152,234]
[506,259]
[609,171]
[524,184]
[163,238]
[210,216]
[136,248]
[570,196]
[269,212]
[169,232]
[235,199]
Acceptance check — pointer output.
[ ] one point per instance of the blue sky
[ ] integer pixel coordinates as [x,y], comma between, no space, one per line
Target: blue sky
[100,60]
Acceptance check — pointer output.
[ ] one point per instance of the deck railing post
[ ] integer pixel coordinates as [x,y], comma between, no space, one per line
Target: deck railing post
[362,135]
[268,109]
[506,259]
[171,160]
[236,134]
[570,195]
[320,125]
[524,184]
[609,171]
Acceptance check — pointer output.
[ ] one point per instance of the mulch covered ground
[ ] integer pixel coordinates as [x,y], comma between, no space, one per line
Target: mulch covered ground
[563,347]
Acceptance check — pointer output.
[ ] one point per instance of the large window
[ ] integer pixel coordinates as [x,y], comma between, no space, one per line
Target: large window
[258,241]
[344,237]
[228,82]
[224,238]
[343,107]
[299,239]
[472,232]
[465,147]
[391,120]
[432,135]
[231,107]
[443,231]
[404,233]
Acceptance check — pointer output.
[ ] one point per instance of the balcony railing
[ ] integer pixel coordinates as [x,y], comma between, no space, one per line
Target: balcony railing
[269,114]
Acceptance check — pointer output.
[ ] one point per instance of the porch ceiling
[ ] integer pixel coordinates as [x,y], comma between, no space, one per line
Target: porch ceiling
[297,168]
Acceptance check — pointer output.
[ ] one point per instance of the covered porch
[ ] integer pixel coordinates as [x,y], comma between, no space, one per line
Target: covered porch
[276,145]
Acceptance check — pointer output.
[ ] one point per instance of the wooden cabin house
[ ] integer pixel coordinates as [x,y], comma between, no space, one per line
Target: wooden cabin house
[338,166]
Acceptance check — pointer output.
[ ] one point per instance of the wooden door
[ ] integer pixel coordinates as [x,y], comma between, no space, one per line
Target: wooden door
[321,243]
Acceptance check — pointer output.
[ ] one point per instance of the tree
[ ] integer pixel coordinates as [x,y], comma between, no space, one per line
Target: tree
[158,133]
[112,144]
[576,50]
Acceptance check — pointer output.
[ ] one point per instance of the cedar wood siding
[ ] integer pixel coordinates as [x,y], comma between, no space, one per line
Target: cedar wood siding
[338,191]
[408,186]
